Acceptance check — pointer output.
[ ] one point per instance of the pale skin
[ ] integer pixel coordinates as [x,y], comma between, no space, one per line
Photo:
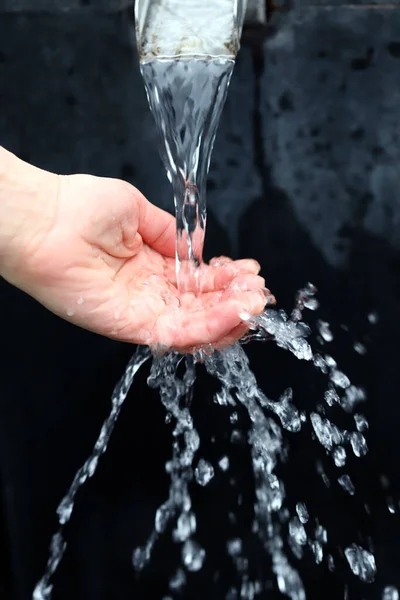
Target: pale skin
[95,252]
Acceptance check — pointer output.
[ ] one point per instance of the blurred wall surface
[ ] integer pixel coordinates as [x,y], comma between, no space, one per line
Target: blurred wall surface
[305,177]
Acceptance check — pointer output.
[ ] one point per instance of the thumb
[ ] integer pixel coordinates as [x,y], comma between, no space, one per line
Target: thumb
[156,226]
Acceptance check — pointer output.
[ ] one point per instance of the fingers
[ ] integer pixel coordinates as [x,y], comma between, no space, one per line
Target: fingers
[213,322]
[218,274]
[157,227]
[236,334]
[218,321]
[244,264]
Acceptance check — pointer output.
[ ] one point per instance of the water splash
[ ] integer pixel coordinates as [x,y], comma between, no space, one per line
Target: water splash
[268,420]
[390,593]
[361,562]
[43,589]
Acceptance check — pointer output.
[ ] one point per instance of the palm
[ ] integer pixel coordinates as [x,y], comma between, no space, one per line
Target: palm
[108,265]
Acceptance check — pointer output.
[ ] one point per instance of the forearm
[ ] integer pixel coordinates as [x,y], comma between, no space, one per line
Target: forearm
[26,194]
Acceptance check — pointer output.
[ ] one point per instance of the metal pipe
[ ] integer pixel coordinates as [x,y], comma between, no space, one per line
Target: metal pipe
[189,27]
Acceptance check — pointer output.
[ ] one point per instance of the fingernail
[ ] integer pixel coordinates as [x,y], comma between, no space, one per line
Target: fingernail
[245,316]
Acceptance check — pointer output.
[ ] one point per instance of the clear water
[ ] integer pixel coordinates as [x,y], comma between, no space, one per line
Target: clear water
[44,588]
[274,524]
[186,97]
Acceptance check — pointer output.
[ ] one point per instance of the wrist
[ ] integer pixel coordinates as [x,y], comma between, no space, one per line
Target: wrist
[27,205]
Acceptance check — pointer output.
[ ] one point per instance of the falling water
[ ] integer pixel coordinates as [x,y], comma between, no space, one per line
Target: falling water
[186,95]
[44,588]
[273,522]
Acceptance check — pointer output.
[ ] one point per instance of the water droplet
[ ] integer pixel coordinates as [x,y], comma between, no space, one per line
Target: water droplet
[233,418]
[287,412]
[297,531]
[361,562]
[234,547]
[361,423]
[352,396]
[236,437]
[43,591]
[163,515]
[320,363]
[247,591]
[193,555]
[318,552]
[64,510]
[373,317]
[178,581]
[390,593]
[324,330]
[391,505]
[311,304]
[204,472]
[302,512]
[347,484]
[339,379]
[91,466]
[331,563]
[358,444]
[288,579]
[330,361]
[360,348]
[327,433]
[141,556]
[224,463]
[331,396]
[192,440]
[339,456]
[321,535]
[185,527]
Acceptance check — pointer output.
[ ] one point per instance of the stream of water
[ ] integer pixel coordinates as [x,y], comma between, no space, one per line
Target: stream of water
[186,97]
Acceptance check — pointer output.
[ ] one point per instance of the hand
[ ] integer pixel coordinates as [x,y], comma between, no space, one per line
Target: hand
[105,260]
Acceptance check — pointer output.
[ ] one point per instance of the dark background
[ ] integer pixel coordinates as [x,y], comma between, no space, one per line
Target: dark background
[305,178]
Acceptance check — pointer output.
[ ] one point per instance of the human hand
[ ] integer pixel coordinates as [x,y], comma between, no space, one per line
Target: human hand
[105,260]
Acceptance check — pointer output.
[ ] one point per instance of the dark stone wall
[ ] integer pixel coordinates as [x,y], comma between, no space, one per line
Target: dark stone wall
[304,177]
[63,6]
